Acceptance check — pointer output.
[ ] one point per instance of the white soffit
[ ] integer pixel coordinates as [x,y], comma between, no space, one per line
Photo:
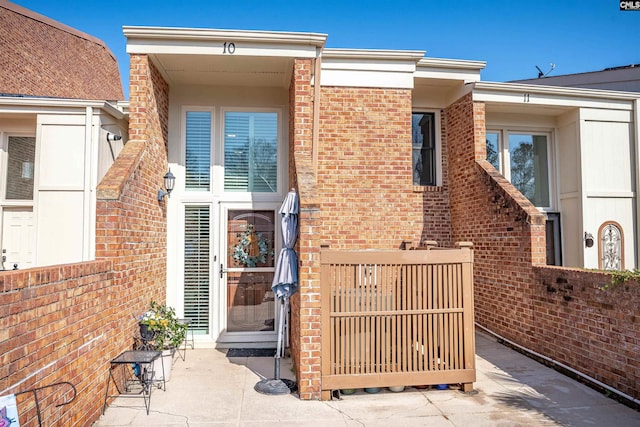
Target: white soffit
[449,69]
[228,71]
[528,96]
[369,68]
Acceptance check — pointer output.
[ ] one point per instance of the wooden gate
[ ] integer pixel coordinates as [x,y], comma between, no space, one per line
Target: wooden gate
[393,318]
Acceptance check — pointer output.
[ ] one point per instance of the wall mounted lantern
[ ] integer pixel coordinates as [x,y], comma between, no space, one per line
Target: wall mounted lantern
[169,182]
[588,239]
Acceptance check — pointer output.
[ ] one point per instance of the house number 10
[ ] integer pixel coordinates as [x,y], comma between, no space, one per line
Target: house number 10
[229,48]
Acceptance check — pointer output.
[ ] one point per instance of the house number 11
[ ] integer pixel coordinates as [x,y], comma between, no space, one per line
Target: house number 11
[229,48]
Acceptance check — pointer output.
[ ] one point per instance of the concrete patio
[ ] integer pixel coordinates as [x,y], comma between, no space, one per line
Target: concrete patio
[209,389]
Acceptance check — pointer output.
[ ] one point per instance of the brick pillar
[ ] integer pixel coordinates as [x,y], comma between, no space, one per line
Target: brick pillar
[305,305]
[308,304]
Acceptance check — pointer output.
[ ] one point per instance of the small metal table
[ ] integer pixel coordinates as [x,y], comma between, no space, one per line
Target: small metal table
[137,382]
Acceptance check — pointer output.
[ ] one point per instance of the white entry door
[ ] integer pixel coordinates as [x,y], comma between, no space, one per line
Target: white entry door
[17,238]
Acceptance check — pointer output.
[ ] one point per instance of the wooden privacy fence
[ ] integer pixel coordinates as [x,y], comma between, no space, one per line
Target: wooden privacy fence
[394,317]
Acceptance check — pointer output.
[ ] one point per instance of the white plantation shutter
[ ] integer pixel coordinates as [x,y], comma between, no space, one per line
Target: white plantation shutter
[197,255]
[250,151]
[198,156]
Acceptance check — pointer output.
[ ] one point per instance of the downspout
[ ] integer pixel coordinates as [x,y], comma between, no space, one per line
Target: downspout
[636,144]
[561,365]
[89,167]
[316,110]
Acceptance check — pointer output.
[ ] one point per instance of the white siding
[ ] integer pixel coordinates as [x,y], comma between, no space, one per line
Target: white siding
[608,181]
[60,198]
[569,189]
[60,227]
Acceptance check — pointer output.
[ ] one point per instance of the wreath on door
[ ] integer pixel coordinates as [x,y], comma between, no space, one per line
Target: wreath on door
[252,248]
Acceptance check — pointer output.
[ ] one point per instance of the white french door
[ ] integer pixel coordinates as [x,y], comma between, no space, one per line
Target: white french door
[228,268]
[234,164]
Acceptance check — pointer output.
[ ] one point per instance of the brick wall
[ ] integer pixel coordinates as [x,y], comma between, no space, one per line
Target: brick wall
[41,57]
[557,312]
[594,331]
[365,169]
[59,323]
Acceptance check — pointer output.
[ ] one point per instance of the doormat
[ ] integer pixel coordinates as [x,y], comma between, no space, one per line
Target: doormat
[251,352]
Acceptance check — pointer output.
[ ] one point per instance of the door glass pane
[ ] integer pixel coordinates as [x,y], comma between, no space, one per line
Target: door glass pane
[529,167]
[20,165]
[198,156]
[250,301]
[493,150]
[197,273]
[250,151]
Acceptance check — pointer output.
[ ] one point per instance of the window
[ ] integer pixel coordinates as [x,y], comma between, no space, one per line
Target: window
[526,163]
[197,254]
[250,151]
[423,136]
[529,166]
[493,149]
[554,254]
[20,160]
[198,151]
[524,160]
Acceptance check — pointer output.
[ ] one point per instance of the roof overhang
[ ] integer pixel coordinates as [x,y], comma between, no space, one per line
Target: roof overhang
[438,81]
[194,56]
[549,100]
[369,68]
[35,105]
[449,69]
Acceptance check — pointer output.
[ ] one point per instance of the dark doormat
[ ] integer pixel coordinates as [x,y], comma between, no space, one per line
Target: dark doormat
[251,352]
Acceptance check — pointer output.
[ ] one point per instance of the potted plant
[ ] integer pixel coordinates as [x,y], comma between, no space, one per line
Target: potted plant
[161,330]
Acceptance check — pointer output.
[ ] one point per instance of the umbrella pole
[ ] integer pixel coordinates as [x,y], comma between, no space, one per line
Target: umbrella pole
[277,385]
[283,303]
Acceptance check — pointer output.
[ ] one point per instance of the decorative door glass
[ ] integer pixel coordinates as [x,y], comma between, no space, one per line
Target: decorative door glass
[250,257]
[610,247]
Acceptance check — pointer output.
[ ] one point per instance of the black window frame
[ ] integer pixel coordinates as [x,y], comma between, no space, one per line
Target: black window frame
[423,143]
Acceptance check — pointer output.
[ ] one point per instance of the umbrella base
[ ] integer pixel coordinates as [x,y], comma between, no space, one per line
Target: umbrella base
[275,387]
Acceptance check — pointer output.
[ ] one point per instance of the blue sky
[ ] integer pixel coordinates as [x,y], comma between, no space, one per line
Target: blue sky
[511,36]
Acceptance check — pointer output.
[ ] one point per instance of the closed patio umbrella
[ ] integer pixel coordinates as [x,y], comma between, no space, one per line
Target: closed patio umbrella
[285,284]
